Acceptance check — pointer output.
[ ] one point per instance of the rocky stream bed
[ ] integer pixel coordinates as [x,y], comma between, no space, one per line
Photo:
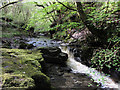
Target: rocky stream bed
[38,64]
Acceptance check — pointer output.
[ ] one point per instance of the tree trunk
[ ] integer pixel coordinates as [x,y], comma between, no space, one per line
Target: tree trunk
[95,31]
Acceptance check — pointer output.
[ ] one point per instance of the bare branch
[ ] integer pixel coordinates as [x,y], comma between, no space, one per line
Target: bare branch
[39,5]
[10,4]
[66,6]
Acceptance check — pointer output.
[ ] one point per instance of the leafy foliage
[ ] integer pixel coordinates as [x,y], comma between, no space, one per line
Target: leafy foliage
[103,15]
[109,58]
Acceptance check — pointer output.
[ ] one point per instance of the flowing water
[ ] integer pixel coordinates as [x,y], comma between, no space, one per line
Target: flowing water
[43,41]
[77,67]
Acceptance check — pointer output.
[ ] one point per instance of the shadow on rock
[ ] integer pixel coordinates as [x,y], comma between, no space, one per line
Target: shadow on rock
[54,55]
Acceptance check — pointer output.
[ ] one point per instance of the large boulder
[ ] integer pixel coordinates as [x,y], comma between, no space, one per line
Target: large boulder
[54,55]
[23,69]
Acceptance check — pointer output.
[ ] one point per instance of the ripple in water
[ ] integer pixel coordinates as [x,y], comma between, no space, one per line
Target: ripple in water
[77,67]
[43,41]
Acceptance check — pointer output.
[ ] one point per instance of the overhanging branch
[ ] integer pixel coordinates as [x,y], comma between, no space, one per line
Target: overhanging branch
[66,6]
[10,4]
[46,10]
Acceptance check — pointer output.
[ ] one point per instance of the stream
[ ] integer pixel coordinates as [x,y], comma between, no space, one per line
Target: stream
[43,41]
[77,67]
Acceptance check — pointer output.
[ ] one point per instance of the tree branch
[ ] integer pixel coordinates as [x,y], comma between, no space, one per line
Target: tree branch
[94,30]
[10,4]
[43,7]
[39,5]
[46,10]
[66,6]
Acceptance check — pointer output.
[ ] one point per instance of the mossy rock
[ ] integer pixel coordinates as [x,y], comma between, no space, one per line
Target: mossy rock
[17,80]
[23,64]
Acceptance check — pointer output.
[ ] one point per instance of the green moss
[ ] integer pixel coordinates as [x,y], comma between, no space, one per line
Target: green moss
[25,64]
[21,61]
[17,80]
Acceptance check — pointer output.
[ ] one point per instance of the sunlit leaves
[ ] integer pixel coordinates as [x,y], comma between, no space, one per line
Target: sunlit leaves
[107,57]
[103,11]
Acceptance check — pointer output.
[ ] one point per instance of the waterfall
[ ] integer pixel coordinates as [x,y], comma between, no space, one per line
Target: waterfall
[77,67]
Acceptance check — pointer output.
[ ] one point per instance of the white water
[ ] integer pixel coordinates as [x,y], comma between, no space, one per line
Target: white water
[98,77]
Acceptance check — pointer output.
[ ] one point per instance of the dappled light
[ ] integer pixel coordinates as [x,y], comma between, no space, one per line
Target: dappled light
[59,44]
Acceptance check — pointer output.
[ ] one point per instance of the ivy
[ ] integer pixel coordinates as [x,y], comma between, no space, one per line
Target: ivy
[107,57]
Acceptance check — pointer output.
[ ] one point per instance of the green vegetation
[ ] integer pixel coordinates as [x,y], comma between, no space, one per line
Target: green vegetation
[108,58]
[97,25]
[11,32]
[20,67]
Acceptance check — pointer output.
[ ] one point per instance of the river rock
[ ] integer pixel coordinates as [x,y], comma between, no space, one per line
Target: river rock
[54,55]
[22,69]
[6,44]
[50,50]
[24,45]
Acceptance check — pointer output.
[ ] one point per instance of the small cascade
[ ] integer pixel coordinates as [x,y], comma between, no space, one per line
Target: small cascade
[77,67]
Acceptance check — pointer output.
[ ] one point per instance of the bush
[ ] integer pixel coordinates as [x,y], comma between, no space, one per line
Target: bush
[109,58]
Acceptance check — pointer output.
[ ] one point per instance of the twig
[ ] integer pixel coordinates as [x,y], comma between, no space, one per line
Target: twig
[10,4]
[66,6]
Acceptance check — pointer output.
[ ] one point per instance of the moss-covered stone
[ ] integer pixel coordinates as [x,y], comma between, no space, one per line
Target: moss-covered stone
[17,80]
[21,68]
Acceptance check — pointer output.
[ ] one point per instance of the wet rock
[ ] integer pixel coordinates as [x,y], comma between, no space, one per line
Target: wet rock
[65,69]
[78,59]
[50,50]
[60,73]
[30,46]
[58,59]
[24,45]
[83,55]
[41,82]
[62,79]
[114,74]
[6,44]
[54,55]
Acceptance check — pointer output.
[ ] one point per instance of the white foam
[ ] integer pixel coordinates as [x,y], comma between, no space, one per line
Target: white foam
[98,77]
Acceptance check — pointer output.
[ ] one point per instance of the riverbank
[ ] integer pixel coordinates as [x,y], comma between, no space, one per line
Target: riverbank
[72,45]
[23,69]
[61,77]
